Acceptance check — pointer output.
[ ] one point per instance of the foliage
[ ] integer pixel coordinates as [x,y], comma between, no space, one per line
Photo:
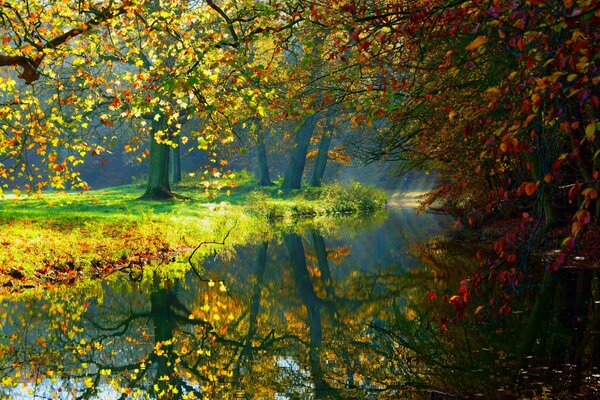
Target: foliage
[87,68]
[330,199]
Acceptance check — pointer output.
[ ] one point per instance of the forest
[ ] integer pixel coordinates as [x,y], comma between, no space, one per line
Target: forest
[299,199]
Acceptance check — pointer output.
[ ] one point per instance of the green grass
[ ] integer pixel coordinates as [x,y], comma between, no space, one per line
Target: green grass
[58,237]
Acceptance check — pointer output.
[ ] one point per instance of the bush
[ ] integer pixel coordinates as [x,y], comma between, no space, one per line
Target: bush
[311,202]
[353,198]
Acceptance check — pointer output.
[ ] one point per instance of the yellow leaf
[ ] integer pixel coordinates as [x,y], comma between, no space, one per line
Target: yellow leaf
[590,192]
[590,130]
[481,40]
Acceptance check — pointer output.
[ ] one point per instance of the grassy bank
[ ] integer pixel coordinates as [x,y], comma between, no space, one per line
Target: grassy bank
[61,237]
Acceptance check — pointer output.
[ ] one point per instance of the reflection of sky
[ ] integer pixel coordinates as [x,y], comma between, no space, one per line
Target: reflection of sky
[389,243]
[60,389]
[370,248]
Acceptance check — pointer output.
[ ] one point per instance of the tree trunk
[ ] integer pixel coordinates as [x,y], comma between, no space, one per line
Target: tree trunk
[321,162]
[332,299]
[295,170]
[176,162]
[263,165]
[544,151]
[158,187]
[552,215]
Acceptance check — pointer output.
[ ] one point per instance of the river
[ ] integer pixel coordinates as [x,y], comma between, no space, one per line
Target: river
[309,314]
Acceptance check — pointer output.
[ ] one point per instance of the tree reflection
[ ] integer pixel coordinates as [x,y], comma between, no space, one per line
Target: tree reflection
[139,342]
[312,304]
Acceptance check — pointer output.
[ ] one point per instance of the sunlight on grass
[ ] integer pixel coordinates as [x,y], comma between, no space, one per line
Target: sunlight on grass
[58,237]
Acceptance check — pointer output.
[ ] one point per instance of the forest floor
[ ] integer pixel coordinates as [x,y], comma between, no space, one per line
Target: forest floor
[63,237]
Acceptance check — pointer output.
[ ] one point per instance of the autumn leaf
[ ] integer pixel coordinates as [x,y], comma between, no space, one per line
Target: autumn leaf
[475,44]
[568,243]
[590,131]
[530,188]
[584,217]
[590,193]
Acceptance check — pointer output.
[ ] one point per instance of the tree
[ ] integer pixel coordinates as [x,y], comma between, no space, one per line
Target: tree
[313,59]
[500,99]
[149,63]
[322,155]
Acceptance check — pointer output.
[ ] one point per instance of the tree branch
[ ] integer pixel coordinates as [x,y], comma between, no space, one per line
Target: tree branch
[30,64]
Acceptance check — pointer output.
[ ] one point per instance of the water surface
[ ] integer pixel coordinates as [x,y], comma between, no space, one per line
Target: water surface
[310,314]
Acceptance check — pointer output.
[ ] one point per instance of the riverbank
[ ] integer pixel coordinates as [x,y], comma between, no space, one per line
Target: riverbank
[64,237]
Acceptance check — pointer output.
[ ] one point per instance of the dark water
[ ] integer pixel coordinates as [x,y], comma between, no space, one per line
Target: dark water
[306,315]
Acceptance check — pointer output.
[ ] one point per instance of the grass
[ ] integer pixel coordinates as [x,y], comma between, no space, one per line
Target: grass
[64,237]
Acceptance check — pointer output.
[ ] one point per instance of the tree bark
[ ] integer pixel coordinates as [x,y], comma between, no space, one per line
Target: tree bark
[176,162]
[263,164]
[321,162]
[552,215]
[295,170]
[158,187]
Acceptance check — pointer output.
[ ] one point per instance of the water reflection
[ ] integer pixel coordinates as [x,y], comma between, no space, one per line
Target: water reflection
[305,315]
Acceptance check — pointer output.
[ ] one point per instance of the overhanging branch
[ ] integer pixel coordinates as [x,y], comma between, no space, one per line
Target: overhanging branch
[30,64]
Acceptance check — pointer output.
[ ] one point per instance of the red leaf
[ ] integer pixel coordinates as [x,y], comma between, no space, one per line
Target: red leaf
[530,188]
[574,190]
[584,217]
